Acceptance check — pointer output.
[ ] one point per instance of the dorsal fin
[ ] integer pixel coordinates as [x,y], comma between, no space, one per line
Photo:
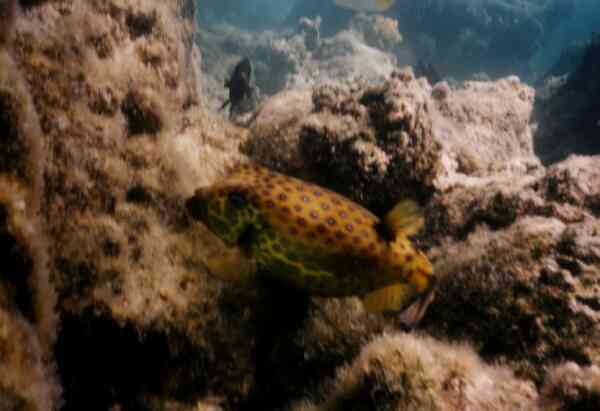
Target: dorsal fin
[405,219]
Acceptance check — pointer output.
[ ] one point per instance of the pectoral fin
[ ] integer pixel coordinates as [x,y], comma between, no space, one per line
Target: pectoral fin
[230,265]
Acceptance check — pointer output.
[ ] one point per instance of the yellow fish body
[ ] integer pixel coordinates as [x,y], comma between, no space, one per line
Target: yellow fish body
[316,240]
[365,5]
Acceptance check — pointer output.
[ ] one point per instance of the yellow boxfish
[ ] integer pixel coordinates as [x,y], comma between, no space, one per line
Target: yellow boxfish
[316,240]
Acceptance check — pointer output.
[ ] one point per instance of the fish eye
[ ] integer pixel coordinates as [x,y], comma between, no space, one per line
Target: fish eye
[237,199]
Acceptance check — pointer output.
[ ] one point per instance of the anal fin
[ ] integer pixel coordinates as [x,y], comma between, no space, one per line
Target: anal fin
[391,298]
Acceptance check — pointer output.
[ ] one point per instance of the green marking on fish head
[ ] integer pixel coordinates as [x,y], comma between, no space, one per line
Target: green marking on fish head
[227,211]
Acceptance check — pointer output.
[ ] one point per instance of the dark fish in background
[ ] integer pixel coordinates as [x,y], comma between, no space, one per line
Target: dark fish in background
[428,71]
[7,16]
[239,85]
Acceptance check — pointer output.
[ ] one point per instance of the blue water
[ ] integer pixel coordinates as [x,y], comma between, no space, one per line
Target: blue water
[573,29]
[524,37]
[246,14]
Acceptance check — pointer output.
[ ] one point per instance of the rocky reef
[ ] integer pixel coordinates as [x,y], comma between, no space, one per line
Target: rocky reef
[105,302]
[462,37]
[398,138]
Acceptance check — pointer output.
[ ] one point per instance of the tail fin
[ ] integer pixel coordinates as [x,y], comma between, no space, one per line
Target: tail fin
[405,219]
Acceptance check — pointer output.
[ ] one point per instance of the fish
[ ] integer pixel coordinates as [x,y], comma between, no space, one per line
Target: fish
[365,5]
[8,10]
[239,85]
[316,241]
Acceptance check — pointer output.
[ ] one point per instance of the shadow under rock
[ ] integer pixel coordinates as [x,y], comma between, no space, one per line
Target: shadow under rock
[282,373]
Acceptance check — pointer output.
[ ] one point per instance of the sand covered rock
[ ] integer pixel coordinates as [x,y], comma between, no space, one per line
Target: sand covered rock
[410,372]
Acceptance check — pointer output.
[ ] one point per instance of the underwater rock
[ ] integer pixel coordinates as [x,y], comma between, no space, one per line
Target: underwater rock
[571,387]
[278,124]
[357,137]
[142,112]
[377,31]
[27,381]
[520,251]
[508,237]
[484,128]
[412,372]
[383,133]
[398,134]
[28,320]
